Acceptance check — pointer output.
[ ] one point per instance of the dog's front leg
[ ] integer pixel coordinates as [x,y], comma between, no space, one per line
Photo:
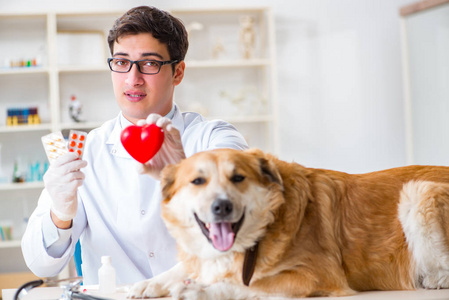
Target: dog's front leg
[216,291]
[160,285]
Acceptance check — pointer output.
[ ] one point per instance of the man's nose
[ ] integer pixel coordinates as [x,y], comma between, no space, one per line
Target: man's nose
[134,77]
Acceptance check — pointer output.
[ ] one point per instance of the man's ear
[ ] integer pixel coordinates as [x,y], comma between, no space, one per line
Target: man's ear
[179,72]
[168,176]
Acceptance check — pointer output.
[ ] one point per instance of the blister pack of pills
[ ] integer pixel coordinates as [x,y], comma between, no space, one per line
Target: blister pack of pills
[77,140]
[55,145]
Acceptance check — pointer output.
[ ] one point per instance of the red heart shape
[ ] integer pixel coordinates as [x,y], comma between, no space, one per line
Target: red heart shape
[142,142]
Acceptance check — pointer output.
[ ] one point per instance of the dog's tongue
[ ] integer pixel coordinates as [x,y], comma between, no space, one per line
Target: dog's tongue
[221,235]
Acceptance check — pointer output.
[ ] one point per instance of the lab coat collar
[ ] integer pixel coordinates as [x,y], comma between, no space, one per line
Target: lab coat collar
[121,122]
[178,120]
[114,137]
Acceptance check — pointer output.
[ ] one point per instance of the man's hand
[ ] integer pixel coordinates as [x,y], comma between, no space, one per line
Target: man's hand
[171,151]
[62,180]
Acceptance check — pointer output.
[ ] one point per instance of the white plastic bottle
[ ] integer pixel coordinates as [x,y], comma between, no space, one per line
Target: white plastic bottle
[106,276]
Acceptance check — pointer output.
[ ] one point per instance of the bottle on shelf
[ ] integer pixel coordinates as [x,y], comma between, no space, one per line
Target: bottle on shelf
[18,173]
[75,109]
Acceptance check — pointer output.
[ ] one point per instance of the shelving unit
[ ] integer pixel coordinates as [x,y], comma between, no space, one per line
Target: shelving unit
[49,87]
[225,86]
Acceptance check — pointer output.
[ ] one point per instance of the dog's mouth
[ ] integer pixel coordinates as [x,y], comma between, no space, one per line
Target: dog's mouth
[221,234]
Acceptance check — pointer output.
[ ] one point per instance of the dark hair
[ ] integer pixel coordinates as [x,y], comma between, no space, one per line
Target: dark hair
[162,25]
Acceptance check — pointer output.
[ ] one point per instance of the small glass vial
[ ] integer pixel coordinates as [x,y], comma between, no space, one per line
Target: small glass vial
[106,276]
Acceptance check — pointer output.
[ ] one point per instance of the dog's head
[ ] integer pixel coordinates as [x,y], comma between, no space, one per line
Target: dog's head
[220,200]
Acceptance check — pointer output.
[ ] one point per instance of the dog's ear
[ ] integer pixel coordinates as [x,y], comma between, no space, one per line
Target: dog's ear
[267,165]
[168,177]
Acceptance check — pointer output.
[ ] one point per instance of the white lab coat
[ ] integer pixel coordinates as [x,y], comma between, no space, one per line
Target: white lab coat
[119,209]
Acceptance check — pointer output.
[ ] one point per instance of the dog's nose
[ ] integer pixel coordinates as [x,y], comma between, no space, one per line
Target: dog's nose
[221,208]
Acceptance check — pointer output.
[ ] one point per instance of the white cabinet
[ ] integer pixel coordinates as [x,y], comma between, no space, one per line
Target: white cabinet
[23,38]
[70,51]
[80,67]
[221,81]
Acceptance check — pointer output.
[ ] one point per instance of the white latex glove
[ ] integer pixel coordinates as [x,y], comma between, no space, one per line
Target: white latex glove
[171,151]
[62,180]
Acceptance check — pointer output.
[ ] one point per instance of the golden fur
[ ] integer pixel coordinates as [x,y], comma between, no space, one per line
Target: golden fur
[320,232]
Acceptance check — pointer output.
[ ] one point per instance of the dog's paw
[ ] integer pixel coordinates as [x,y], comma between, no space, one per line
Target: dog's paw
[189,290]
[147,289]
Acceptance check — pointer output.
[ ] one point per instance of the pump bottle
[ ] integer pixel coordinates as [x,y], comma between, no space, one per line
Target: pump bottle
[106,276]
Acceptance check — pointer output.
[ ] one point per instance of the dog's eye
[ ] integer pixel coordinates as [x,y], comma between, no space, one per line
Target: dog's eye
[199,181]
[237,178]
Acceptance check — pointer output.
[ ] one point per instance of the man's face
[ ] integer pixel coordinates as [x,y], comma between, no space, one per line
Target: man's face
[137,94]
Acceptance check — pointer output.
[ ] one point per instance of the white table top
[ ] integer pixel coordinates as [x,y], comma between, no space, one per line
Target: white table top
[55,293]
[47,293]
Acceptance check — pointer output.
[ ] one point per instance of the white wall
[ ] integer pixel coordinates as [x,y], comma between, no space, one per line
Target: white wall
[428,40]
[339,73]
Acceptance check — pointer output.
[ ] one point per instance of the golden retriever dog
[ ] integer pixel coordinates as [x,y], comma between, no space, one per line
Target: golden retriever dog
[249,226]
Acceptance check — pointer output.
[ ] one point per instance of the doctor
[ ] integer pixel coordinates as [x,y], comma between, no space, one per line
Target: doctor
[103,200]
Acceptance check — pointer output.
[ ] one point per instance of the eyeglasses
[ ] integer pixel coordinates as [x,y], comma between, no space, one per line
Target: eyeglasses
[145,66]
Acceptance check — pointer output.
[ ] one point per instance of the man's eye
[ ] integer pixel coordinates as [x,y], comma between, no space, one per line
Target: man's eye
[199,181]
[121,62]
[151,63]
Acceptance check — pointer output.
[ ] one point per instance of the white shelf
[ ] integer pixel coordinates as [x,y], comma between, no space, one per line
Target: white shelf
[10,244]
[83,69]
[25,128]
[228,63]
[244,119]
[48,127]
[219,10]
[38,185]
[24,70]
[81,125]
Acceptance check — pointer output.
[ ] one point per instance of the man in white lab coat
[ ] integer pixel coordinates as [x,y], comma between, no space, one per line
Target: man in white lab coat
[104,200]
